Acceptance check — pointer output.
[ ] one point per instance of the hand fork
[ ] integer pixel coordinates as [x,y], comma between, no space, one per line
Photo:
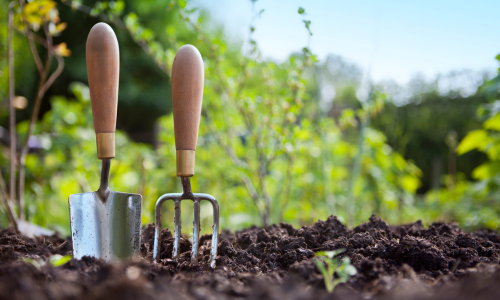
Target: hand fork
[187,96]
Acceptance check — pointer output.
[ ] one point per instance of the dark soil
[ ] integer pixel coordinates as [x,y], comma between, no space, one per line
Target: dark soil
[393,262]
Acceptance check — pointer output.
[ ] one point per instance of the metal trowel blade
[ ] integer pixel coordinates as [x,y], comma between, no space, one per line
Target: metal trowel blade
[110,230]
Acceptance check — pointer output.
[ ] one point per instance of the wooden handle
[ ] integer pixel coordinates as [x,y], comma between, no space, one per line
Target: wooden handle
[103,67]
[187,96]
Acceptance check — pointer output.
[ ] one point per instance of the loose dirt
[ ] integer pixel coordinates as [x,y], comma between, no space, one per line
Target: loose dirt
[393,262]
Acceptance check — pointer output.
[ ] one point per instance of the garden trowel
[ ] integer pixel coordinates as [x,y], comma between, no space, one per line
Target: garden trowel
[104,224]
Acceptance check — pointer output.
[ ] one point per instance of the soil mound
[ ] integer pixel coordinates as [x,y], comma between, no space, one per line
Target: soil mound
[393,262]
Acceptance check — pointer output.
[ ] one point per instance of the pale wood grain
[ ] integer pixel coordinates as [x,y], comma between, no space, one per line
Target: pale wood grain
[103,67]
[187,96]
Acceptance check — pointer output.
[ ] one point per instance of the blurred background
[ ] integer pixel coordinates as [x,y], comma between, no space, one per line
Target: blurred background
[311,109]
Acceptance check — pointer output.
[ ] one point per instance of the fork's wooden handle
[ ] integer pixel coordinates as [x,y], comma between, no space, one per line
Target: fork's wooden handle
[103,67]
[187,96]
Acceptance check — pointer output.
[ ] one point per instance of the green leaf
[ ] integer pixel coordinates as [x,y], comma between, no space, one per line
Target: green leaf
[118,7]
[321,266]
[330,254]
[486,170]
[493,123]
[350,270]
[399,162]
[59,260]
[409,183]
[338,251]
[95,11]
[498,57]
[476,139]
[327,277]
[34,262]
[301,11]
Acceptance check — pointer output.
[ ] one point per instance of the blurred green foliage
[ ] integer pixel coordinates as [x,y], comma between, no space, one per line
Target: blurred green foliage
[474,203]
[419,128]
[66,164]
[271,148]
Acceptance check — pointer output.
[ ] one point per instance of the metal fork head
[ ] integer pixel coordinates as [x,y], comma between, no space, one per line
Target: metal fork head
[196,198]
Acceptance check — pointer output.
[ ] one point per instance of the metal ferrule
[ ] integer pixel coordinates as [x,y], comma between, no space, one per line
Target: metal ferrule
[185,163]
[105,145]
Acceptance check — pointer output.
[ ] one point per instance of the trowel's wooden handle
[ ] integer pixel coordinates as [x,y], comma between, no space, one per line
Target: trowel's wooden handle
[187,96]
[103,67]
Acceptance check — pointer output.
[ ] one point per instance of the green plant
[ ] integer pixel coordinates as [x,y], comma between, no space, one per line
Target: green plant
[336,271]
[59,260]
[30,19]
[55,260]
[278,158]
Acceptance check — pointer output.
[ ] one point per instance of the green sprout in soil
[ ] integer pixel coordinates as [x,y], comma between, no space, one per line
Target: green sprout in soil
[55,260]
[59,260]
[343,269]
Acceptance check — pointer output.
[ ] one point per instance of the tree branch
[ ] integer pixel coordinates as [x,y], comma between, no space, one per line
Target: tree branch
[54,75]
[34,37]
[7,207]
[118,22]
[27,31]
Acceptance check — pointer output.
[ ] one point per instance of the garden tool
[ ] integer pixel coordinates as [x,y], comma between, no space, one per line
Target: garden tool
[187,95]
[104,224]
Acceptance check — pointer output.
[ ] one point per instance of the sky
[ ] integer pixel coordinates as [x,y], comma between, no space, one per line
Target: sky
[393,39]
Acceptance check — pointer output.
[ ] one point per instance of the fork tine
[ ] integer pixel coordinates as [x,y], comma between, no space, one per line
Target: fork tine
[215,232]
[156,247]
[196,231]
[177,227]
[215,225]
[159,203]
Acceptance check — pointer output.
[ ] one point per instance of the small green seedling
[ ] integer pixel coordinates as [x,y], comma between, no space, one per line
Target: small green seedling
[343,269]
[55,260]
[59,260]
[37,262]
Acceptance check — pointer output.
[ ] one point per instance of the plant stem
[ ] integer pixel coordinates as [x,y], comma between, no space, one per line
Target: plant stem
[9,199]
[25,148]
[12,113]
[28,33]
[286,191]
[7,207]
[43,86]
[356,167]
